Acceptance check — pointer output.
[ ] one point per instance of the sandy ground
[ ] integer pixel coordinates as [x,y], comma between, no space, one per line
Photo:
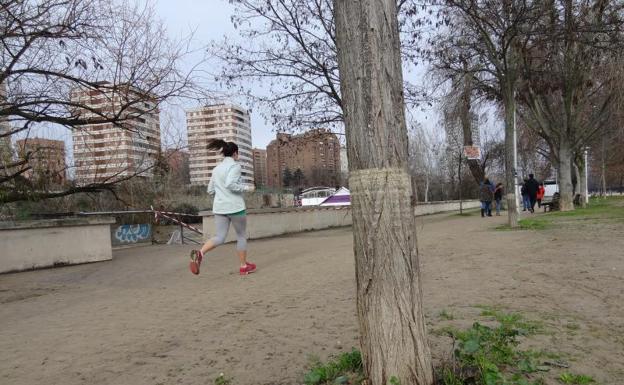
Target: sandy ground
[144,319]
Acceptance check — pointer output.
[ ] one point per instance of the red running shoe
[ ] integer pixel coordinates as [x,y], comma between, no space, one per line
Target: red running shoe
[196,259]
[248,269]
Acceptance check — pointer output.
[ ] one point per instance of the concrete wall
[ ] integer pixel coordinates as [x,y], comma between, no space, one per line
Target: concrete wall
[273,222]
[255,200]
[26,245]
[444,206]
[131,234]
[265,223]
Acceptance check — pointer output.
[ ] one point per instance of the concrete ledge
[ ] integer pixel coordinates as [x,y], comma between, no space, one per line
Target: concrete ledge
[44,223]
[30,245]
[443,206]
[264,223]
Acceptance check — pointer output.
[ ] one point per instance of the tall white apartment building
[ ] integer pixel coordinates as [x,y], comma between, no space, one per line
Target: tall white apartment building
[221,121]
[105,151]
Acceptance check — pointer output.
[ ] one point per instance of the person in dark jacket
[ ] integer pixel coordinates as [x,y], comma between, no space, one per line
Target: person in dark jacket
[498,197]
[532,187]
[486,196]
[526,200]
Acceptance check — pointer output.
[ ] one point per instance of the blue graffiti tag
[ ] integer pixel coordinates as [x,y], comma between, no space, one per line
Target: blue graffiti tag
[132,233]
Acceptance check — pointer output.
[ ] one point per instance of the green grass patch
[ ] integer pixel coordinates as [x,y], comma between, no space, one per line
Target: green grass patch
[527,224]
[598,210]
[223,380]
[344,369]
[576,379]
[487,353]
[534,224]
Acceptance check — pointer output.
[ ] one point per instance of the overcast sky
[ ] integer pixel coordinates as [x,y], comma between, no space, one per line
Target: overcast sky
[210,20]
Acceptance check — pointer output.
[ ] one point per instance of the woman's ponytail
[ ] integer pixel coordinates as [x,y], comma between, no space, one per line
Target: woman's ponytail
[227,148]
[217,144]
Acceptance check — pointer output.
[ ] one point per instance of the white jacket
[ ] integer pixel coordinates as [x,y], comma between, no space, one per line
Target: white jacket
[227,187]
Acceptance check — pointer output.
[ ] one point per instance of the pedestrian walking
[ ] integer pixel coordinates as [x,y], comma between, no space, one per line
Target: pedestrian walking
[498,197]
[532,186]
[540,194]
[228,206]
[486,196]
[526,201]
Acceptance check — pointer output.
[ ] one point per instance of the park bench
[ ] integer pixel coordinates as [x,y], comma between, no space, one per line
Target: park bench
[551,203]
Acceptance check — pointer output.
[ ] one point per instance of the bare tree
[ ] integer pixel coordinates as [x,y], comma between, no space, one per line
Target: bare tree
[52,49]
[425,155]
[389,298]
[571,73]
[290,46]
[484,43]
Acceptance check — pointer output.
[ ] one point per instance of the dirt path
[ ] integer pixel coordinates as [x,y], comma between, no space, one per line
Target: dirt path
[143,319]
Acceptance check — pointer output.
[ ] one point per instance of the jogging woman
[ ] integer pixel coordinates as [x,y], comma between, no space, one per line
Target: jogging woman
[228,206]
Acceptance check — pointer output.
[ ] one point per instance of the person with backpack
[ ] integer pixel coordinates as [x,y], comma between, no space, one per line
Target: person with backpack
[486,196]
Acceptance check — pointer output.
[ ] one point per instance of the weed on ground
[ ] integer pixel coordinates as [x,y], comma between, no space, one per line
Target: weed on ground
[487,353]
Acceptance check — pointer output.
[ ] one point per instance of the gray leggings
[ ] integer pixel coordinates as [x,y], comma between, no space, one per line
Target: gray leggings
[239,222]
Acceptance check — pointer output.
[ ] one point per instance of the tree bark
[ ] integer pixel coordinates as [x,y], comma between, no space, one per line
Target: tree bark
[510,177]
[566,202]
[603,167]
[581,181]
[392,327]
[575,179]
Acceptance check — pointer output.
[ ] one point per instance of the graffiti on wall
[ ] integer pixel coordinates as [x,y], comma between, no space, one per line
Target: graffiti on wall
[132,234]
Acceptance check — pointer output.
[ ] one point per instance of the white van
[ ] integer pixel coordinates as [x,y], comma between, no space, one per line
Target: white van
[550,188]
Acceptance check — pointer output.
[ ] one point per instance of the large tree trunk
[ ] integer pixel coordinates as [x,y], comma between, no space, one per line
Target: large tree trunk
[392,326]
[582,180]
[510,155]
[566,202]
[603,167]
[575,179]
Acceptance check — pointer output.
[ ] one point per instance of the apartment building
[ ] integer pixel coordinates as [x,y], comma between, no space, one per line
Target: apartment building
[260,167]
[316,153]
[220,121]
[46,159]
[108,151]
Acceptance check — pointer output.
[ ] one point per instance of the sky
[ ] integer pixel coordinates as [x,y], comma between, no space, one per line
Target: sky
[208,20]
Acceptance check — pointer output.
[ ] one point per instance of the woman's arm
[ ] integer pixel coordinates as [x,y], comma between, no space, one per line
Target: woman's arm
[233,180]
[211,188]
